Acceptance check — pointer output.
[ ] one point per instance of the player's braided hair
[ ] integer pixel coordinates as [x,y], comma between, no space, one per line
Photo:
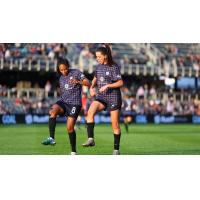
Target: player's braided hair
[105,50]
[60,62]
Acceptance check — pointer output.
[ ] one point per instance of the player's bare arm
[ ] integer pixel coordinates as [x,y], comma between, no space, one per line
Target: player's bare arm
[117,84]
[92,91]
[84,82]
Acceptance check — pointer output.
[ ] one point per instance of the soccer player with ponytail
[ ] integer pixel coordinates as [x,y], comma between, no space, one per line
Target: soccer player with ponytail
[108,80]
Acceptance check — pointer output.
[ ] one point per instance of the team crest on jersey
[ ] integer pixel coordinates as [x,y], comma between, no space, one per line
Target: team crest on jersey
[101,78]
[71,77]
[66,86]
[107,73]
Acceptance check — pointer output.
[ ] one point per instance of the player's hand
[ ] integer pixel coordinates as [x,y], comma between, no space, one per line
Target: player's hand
[74,81]
[104,88]
[92,92]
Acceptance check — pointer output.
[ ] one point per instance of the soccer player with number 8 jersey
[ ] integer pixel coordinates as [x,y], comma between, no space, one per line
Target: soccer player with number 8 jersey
[71,82]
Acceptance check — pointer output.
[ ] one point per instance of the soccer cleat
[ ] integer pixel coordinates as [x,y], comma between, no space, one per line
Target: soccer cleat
[116,152]
[90,142]
[49,141]
[73,153]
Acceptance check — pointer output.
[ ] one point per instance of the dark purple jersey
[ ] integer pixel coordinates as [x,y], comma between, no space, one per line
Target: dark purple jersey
[71,93]
[106,75]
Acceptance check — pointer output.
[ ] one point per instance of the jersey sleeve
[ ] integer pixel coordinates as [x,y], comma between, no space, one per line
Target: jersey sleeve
[81,76]
[116,74]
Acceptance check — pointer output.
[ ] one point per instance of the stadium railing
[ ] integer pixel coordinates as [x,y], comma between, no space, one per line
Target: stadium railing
[30,93]
[28,65]
[126,69]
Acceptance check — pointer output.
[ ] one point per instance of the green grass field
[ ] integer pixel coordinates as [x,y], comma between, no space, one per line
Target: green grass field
[141,140]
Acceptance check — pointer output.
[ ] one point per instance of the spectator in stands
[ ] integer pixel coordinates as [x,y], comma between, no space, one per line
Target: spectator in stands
[178,107]
[2,108]
[140,92]
[7,54]
[86,58]
[170,106]
[47,88]
[142,57]
[146,91]
[2,50]
[141,106]
[125,60]
[39,107]
[151,107]
[159,108]
[127,105]
[152,92]
[51,55]
[191,106]
[1,90]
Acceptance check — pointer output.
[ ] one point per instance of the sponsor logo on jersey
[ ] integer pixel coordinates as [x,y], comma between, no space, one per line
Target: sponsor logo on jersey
[66,86]
[101,78]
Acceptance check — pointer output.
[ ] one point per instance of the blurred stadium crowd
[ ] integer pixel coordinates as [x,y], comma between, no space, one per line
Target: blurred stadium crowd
[150,72]
[149,54]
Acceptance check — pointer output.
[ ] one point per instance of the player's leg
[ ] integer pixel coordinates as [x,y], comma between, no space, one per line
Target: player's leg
[54,111]
[71,121]
[72,113]
[79,118]
[114,115]
[126,124]
[78,122]
[85,118]
[95,107]
[129,121]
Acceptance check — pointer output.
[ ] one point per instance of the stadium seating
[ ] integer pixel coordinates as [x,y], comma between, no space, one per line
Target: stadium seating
[135,59]
[152,59]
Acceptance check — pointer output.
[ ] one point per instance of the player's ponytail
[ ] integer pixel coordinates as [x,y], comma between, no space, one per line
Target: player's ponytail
[105,50]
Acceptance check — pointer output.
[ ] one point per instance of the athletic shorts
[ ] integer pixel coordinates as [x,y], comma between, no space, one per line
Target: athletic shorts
[69,110]
[110,106]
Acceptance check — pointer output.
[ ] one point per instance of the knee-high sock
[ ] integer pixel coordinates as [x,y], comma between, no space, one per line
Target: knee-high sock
[117,141]
[90,130]
[72,139]
[52,126]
